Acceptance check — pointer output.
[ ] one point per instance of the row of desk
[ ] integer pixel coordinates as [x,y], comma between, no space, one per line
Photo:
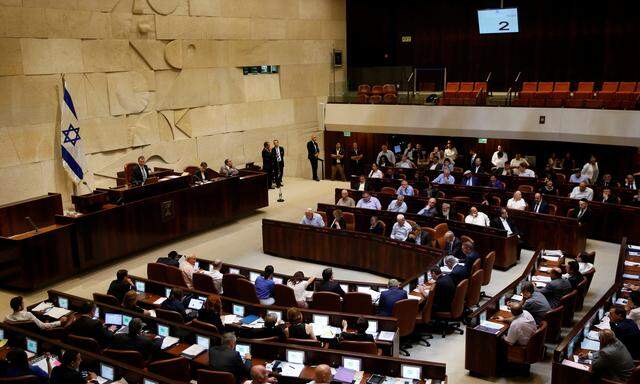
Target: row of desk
[111,224]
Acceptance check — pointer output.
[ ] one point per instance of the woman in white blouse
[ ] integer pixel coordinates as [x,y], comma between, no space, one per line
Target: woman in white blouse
[299,285]
[375,172]
[517,202]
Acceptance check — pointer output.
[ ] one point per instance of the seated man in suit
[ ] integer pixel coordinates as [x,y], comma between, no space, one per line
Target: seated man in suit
[446,212]
[556,288]
[86,326]
[429,210]
[625,330]
[201,173]
[575,276]
[468,179]
[608,197]
[495,183]
[141,172]
[134,340]
[121,285]
[504,222]
[228,169]
[612,361]
[583,212]
[389,297]
[360,333]
[362,184]
[469,257]
[539,205]
[458,272]
[376,226]
[477,166]
[174,303]
[534,302]
[452,244]
[171,259]
[328,285]
[225,358]
[607,181]
[444,292]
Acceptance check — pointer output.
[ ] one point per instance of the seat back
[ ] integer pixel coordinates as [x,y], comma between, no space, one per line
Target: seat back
[128,171]
[157,272]
[195,323]
[389,88]
[627,87]
[496,201]
[326,301]
[480,86]
[324,218]
[466,87]
[466,199]
[561,87]
[582,292]
[440,229]
[390,98]
[369,347]
[545,87]
[487,267]
[457,305]
[553,209]
[475,285]
[465,238]
[460,217]
[307,342]
[358,302]
[553,318]
[175,277]
[206,376]
[190,169]
[169,315]
[477,265]
[608,87]
[106,299]
[377,90]
[405,311]
[350,220]
[452,87]
[27,379]
[388,190]
[86,343]
[362,98]
[375,99]
[134,358]
[568,301]
[525,188]
[284,296]
[535,349]
[364,88]
[176,368]
[430,232]
[246,291]
[585,87]
[229,284]
[204,282]
[589,275]
[529,87]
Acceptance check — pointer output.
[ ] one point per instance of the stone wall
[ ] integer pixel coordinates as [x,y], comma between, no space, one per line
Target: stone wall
[160,78]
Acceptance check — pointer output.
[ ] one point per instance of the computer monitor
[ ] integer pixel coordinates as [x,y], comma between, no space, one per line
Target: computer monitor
[140,286]
[277,314]
[238,310]
[294,356]
[278,280]
[397,149]
[112,318]
[243,349]
[411,371]
[352,363]
[234,271]
[253,276]
[163,330]
[32,345]
[63,302]
[363,288]
[345,287]
[149,381]
[321,320]
[195,304]
[126,320]
[96,313]
[202,341]
[1,334]
[196,265]
[106,372]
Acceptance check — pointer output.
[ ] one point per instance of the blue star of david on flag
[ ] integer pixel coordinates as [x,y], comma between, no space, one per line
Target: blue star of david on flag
[68,138]
[73,159]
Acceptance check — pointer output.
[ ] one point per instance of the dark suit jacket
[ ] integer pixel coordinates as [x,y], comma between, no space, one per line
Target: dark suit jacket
[586,216]
[222,358]
[378,229]
[354,164]
[211,317]
[388,298]
[496,223]
[87,327]
[611,200]
[199,177]
[445,291]
[629,334]
[118,289]
[65,375]
[349,336]
[275,158]
[479,169]
[168,261]
[331,286]
[176,306]
[474,181]
[555,289]
[468,263]
[141,343]
[453,249]
[136,177]
[343,224]
[267,159]
[544,207]
[311,149]
[458,274]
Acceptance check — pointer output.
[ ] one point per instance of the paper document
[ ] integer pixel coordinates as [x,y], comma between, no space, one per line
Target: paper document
[57,312]
[414,297]
[291,369]
[42,363]
[516,297]
[550,258]
[152,313]
[552,252]
[539,284]
[590,344]
[230,319]
[544,279]
[634,253]
[169,341]
[42,306]
[386,336]
[160,301]
[573,364]
[491,324]
[621,301]
[545,269]
[505,308]
[631,277]
[604,323]
[193,350]
[593,335]
[634,247]
[631,264]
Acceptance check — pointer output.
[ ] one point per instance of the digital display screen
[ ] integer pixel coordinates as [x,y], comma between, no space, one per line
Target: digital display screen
[113,318]
[373,326]
[202,341]
[253,276]
[321,320]
[32,345]
[498,20]
[63,302]
[277,314]
[140,286]
[243,349]
[106,371]
[411,371]
[352,363]
[295,357]
[126,320]
[238,310]
[195,304]
[163,330]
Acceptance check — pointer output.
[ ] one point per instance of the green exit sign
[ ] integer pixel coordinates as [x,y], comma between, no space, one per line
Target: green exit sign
[347,133]
[482,141]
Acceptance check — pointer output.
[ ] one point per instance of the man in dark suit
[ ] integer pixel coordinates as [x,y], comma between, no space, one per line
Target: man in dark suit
[444,292]
[458,272]
[141,172]
[451,244]
[606,181]
[355,160]
[171,259]
[468,179]
[313,151]
[277,152]
[389,297]
[472,158]
[556,288]
[446,212]
[174,303]
[225,358]
[504,222]
[87,326]
[470,256]
[134,340]
[362,184]
[539,205]
[328,285]
[201,173]
[608,197]
[267,163]
[477,166]
[583,212]
[121,285]
[626,330]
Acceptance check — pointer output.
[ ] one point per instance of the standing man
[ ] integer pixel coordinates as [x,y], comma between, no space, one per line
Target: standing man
[312,154]
[141,172]
[278,162]
[355,160]
[267,163]
[337,158]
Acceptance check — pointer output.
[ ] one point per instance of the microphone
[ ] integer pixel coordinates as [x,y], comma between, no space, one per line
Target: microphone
[32,223]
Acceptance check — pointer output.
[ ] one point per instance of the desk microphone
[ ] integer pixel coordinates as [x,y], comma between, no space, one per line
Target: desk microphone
[32,223]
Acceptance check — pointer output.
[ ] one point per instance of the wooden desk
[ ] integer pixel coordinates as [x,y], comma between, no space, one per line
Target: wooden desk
[347,249]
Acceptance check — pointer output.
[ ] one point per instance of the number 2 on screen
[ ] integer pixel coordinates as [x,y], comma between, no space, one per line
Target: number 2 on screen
[504,25]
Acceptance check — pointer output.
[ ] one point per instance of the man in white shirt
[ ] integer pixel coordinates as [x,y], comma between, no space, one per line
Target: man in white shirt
[20,314]
[516,161]
[476,217]
[345,200]
[401,229]
[517,202]
[386,152]
[228,169]
[591,170]
[523,171]
[188,268]
[633,307]
[582,192]
[405,163]
[312,218]
[499,158]
[522,327]
[429,210]
[375,173]
[216,275]
[369,202]
[398,205]
[405,189]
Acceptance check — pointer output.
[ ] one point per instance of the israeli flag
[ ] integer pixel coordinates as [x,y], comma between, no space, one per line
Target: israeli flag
[73,159]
